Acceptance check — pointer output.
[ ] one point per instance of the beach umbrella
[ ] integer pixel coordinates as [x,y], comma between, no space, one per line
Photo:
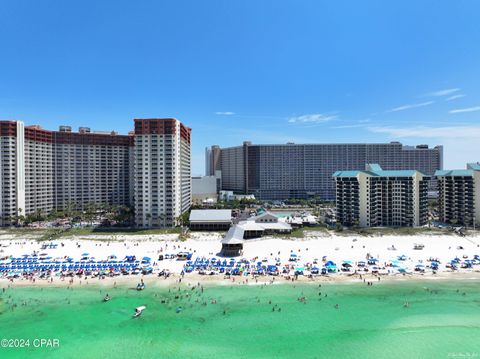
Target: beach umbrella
[394,263]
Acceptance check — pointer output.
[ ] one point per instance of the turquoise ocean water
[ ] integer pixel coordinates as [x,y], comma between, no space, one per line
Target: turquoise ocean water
[441,321]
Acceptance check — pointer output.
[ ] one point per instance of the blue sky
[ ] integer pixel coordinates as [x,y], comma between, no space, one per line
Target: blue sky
[266,71]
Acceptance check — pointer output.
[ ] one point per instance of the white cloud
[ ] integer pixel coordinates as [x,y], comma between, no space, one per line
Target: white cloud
[312,118]
[224,113]
[454,97]
[430,132]
[410,106]
[468,109]
[445,92]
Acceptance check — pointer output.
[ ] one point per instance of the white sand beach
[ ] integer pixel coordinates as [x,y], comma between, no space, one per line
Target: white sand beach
[314,245]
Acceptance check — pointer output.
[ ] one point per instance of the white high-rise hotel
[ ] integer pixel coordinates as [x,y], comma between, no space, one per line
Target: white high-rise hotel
[162,171]
[42,171]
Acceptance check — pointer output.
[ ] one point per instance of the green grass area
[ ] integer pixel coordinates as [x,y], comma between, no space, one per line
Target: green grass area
[401,231]
[19,231]
[116,231]
[300,232]
[57,233]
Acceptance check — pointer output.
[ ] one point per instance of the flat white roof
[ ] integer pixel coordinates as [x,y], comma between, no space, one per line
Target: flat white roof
[261,226]
[211,215]
[281,226]
[250,226]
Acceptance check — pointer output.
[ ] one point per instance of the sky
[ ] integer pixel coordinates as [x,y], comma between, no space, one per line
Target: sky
[268,71]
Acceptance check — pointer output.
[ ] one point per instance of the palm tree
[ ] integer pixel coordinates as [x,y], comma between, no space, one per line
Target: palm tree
[90,212]
[183,218]
[19,218]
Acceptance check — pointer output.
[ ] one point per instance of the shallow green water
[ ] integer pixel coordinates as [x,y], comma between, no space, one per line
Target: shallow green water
[370,322]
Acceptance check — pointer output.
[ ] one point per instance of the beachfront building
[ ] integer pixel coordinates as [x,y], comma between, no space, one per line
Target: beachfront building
[459,195]
[282,171]
[270,223]
[381,198]
[92,168]
[210,219]
[254,227]
[43,170]
[162,171]
[232,243]
[12,167]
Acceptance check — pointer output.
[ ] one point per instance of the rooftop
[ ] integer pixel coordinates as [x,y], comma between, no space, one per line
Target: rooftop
[474,166]
[210,215]
[459,173]
[234,235]
[471,167]
[375,170]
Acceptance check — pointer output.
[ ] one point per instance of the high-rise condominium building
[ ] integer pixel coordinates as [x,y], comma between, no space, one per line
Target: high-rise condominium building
[459,195]
[162,171]
[378,198]
[305,170]
[45,170]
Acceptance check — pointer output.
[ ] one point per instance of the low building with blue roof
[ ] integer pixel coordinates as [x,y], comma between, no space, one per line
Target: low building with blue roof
[381,198]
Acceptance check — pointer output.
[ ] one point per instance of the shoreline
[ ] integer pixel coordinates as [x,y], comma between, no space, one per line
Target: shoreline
[205,280]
